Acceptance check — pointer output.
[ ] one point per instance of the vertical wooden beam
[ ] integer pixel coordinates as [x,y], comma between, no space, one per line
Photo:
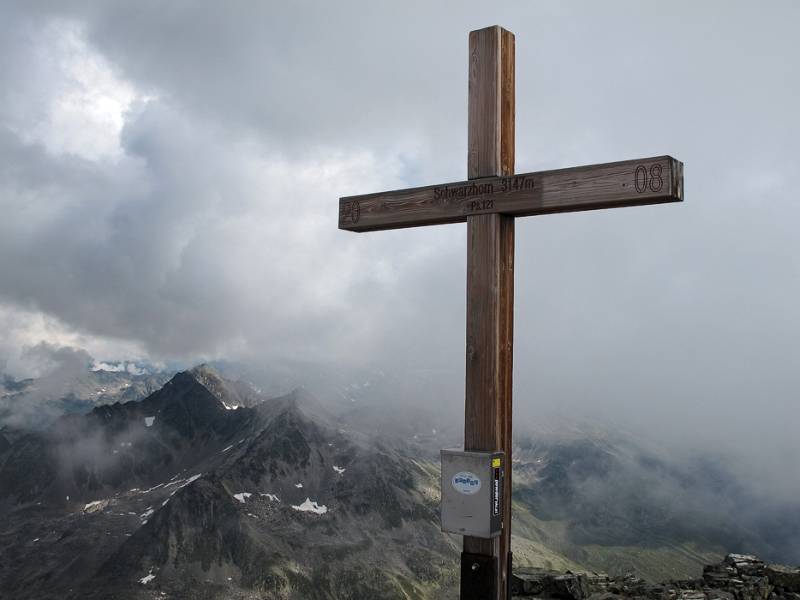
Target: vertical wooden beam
[490,135]
[490,275]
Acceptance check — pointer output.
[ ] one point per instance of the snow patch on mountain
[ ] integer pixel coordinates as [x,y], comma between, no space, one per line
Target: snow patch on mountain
[95,506]
[311,506]
[147,578]
[242,496]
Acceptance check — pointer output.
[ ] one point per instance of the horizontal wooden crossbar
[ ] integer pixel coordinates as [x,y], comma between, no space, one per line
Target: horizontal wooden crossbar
[609,185]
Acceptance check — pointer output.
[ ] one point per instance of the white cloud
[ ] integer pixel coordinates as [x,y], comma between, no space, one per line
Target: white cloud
[25,329]
[83,100]
[202,222]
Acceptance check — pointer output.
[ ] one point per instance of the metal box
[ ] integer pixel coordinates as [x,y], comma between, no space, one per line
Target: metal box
[472,492]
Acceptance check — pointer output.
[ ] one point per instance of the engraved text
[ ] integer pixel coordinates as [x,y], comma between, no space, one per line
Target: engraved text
[503,185]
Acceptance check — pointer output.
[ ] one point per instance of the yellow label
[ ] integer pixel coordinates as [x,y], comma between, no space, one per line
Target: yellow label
[495,463]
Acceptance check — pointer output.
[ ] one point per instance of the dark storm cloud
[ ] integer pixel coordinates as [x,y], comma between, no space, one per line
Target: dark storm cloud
[212,232]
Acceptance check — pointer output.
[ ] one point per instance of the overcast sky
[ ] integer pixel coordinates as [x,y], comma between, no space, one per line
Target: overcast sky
[170,175]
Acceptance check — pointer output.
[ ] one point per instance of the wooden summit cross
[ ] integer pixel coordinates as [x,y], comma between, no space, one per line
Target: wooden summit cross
[489,201]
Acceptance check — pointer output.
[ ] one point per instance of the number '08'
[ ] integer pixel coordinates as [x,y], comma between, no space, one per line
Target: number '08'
[652,179]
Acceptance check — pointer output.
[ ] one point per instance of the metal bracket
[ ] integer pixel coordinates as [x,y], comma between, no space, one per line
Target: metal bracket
[478,577]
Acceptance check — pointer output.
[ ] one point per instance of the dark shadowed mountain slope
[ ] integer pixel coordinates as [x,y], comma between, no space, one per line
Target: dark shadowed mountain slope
[135,444]
[179,495]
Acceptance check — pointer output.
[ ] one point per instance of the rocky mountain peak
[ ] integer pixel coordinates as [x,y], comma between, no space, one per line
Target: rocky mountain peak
[231,393]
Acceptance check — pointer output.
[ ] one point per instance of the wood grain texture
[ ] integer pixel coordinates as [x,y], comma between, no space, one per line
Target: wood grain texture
[490,275]
[489,352]
[483,108]
[507,103]
[636,182]
[490,142]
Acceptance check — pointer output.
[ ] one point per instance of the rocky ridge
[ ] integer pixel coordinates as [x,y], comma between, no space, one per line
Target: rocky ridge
[737,577]
[190,494]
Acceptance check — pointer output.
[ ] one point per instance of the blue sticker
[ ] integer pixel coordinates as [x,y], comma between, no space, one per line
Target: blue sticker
[466,483]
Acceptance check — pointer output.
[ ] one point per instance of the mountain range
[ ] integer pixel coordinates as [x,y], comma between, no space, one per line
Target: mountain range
[209,488]
[33,403]
[182,495]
